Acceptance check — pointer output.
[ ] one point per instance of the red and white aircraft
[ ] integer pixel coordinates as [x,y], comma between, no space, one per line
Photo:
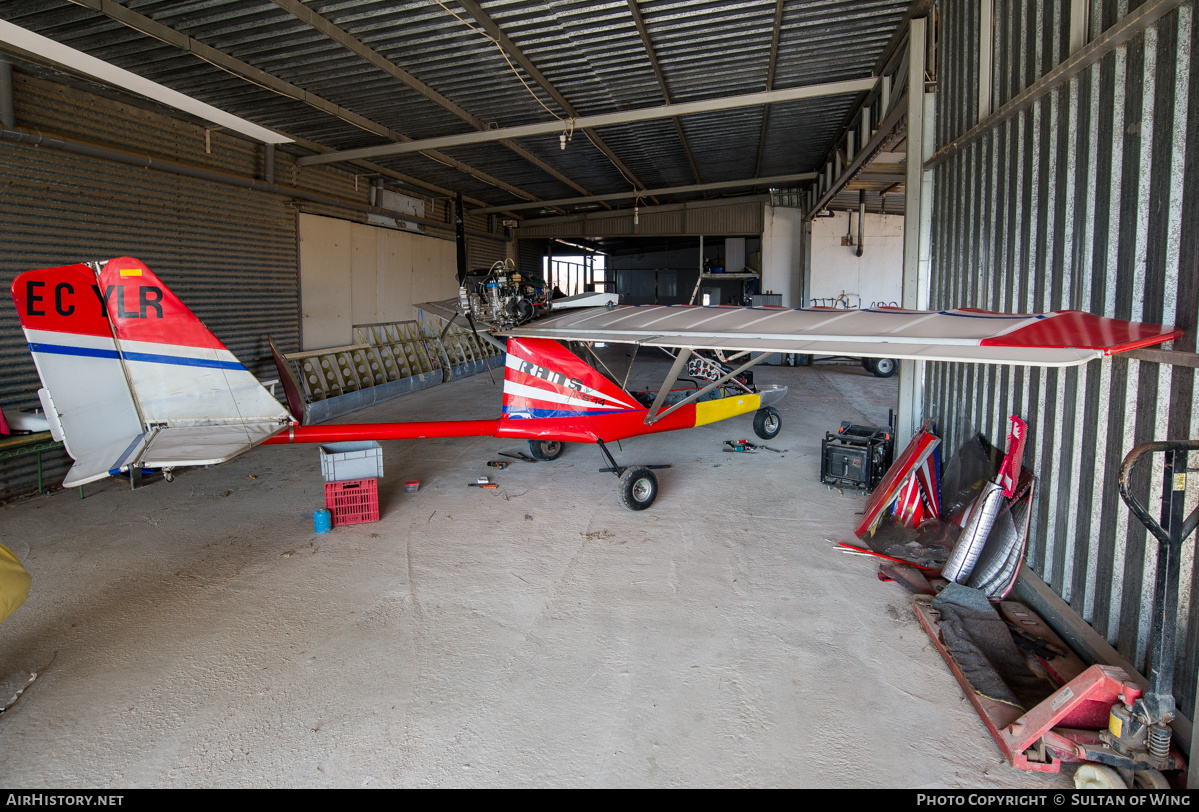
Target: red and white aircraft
[132,379]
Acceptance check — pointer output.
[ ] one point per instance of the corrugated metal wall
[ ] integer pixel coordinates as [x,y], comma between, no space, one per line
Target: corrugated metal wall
[1079,201]
[229,253]
[483,252]
[530,256]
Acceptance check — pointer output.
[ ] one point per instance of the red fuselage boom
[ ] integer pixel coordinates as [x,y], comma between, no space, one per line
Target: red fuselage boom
[386,431]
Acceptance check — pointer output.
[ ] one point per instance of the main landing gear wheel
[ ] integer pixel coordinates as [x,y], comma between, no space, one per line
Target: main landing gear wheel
[638,488]
[1098,776]
[545,450]
[767,423]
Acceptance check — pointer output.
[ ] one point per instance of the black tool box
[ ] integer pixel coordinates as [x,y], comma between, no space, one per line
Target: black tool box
[856,456]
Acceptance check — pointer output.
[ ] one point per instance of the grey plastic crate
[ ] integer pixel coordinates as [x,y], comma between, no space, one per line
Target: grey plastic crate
[354,460]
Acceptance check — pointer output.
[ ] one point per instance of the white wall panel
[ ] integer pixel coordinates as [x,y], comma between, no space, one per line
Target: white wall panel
[351,273]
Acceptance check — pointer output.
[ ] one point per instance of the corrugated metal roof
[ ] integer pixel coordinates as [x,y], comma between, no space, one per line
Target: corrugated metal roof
[590,55]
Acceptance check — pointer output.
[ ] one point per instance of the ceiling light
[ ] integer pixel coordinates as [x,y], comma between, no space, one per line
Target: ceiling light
[97,68]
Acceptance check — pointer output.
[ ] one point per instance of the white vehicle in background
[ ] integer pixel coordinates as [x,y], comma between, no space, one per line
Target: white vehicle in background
[879,367]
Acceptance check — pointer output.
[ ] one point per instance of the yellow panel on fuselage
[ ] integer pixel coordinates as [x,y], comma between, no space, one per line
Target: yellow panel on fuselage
[709,411]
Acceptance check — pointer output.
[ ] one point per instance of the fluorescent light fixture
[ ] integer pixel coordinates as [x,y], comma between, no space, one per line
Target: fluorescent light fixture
[77,60]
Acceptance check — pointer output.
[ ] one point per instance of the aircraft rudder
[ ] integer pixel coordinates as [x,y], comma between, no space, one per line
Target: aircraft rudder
[142,308]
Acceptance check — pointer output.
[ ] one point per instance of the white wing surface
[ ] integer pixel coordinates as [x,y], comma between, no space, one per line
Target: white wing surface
[1063,338]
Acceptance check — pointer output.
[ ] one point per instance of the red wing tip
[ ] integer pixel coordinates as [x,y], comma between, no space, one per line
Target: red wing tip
[1149,341]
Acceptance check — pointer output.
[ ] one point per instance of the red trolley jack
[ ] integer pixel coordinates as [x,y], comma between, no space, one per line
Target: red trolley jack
[1099,716]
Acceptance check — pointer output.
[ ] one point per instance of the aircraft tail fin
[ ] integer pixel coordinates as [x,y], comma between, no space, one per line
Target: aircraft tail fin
[131,377]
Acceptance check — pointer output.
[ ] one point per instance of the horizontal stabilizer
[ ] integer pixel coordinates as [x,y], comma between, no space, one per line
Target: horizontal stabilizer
[168,448]
[104,461]
[203,445]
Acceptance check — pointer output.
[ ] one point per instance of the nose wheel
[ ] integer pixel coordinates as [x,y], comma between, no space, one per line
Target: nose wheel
[768,423]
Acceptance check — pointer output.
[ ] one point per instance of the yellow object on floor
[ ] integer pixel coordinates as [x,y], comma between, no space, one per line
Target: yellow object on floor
[14,583]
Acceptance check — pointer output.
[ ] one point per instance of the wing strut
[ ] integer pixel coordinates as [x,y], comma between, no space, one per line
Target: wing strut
[629,371]
[680,363]
[654,416]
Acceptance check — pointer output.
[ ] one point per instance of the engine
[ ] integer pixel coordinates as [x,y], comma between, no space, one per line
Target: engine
[503,296]
[713,368]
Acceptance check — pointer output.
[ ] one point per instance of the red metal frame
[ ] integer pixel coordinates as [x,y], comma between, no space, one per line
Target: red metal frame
[1066,726]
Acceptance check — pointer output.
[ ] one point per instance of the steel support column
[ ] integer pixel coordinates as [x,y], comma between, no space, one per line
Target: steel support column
[8,117]
[986,47]
[911,373]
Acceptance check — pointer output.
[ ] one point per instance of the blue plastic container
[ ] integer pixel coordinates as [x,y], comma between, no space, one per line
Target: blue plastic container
[322,521]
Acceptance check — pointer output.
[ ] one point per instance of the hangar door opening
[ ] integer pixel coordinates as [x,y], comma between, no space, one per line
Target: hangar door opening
[351,273]
[652,270]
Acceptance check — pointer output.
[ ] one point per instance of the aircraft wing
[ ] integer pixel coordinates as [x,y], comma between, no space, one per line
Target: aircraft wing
[449,309]
[1062,338]
[446,309]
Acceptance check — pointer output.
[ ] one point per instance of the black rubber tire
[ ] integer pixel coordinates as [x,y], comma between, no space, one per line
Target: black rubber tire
[768,423]
[885,367]
[1149,779]
[546,450]
[638,488]
[868,365]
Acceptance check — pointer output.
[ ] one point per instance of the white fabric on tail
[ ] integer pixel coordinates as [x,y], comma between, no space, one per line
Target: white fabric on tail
[90,398]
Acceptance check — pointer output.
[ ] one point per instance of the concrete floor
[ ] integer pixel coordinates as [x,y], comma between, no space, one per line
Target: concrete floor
[198,633]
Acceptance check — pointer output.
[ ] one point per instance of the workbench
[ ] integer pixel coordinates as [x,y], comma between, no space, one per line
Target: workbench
[20,445]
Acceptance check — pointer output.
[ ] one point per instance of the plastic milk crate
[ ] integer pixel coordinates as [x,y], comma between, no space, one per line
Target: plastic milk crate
[354,460]
[353,501]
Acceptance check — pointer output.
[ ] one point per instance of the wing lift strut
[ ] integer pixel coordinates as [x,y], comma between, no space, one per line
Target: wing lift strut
[680,363]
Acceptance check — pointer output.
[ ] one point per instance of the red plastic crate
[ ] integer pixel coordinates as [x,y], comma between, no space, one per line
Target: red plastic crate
[353,501]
